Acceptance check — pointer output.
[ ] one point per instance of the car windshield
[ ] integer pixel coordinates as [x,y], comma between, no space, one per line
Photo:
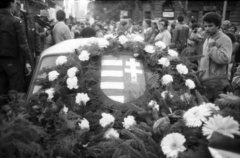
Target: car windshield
[46,62]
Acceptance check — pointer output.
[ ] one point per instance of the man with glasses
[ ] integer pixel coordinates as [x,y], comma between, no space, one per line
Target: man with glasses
[164,35]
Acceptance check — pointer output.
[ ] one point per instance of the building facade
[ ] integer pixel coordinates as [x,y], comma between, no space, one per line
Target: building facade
[170,9]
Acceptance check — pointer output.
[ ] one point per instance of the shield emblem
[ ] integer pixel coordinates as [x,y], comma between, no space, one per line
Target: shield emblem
[122,78]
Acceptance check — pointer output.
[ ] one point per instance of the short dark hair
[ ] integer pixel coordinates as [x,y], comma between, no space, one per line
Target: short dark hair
[193,20]
[180,18]
[195,25]
[234,26]
[5,3]
[165,22]
[61,15]
[212,17]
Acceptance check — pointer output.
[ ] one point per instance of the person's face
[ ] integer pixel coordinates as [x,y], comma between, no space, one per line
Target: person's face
[161,25]
[210,28]
[231,29]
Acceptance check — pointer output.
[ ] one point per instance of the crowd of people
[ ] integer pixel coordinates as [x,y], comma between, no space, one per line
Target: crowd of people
[22,39]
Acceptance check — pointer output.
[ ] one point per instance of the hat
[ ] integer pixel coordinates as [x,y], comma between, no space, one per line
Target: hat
[44,13]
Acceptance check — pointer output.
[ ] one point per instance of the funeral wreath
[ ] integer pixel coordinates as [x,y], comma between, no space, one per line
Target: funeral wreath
[118,97]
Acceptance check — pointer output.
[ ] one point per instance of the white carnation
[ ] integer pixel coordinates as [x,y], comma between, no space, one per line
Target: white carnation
[211,106]
[84,124]
[182,69]
[164,62]
[65,109]
[149,49]
[153,104]
[166,79]
[50,93]
[72,72]
[106,119]
[84,56]
[82,97]
[123,39]
[185,97]
[165,93]
[138,38]
[111,133]
[172,53]
[190,84]
[129,122]
[72,83]
[160,44]
[53,75]
[61,60]
[103,43]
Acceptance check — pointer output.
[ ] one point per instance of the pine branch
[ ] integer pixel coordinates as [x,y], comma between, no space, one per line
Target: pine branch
[117,153]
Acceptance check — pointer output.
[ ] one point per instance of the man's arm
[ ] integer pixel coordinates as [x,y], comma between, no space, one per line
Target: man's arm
[22,41]
[67,34]
[222,54]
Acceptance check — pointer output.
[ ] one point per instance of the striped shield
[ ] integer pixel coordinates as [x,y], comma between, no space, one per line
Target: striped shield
[122,78]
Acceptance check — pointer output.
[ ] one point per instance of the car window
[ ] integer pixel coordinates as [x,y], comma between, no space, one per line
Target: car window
[47,62]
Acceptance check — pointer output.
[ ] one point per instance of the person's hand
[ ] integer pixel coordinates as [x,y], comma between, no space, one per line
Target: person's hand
[29,69]
[211,43]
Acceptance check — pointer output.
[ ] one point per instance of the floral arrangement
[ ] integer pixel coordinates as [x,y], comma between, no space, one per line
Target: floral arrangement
[173,119]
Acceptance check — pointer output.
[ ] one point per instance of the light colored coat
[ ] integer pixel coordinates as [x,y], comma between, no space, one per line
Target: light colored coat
[217,57]
[61,32]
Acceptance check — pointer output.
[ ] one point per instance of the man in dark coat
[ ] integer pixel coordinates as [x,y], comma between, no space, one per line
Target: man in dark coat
[13,49]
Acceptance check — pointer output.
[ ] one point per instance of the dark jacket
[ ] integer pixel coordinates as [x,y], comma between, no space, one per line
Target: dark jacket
[13,42]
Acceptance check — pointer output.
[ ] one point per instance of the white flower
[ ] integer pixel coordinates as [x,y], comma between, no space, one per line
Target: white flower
[108,36]
[81,97]
[123,39]
[111,133]
[72,83]
[138,38]
[130,36]
[182,69]
[103,43]
[172,53]
[165,93]
[224,125]
[149,49]
[164,62]
[160,44]
[185,97]
[172,143]
[50,93]
[61,60]
[190,84]
[129,122]
[166,79]
[72,72]
[152,103]
[84,124]
[65,109]
[211,106]
[106,119]
[53,75]
[84,56]
[196,115]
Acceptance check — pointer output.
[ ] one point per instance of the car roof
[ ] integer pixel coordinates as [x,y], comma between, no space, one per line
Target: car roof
[67,46]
